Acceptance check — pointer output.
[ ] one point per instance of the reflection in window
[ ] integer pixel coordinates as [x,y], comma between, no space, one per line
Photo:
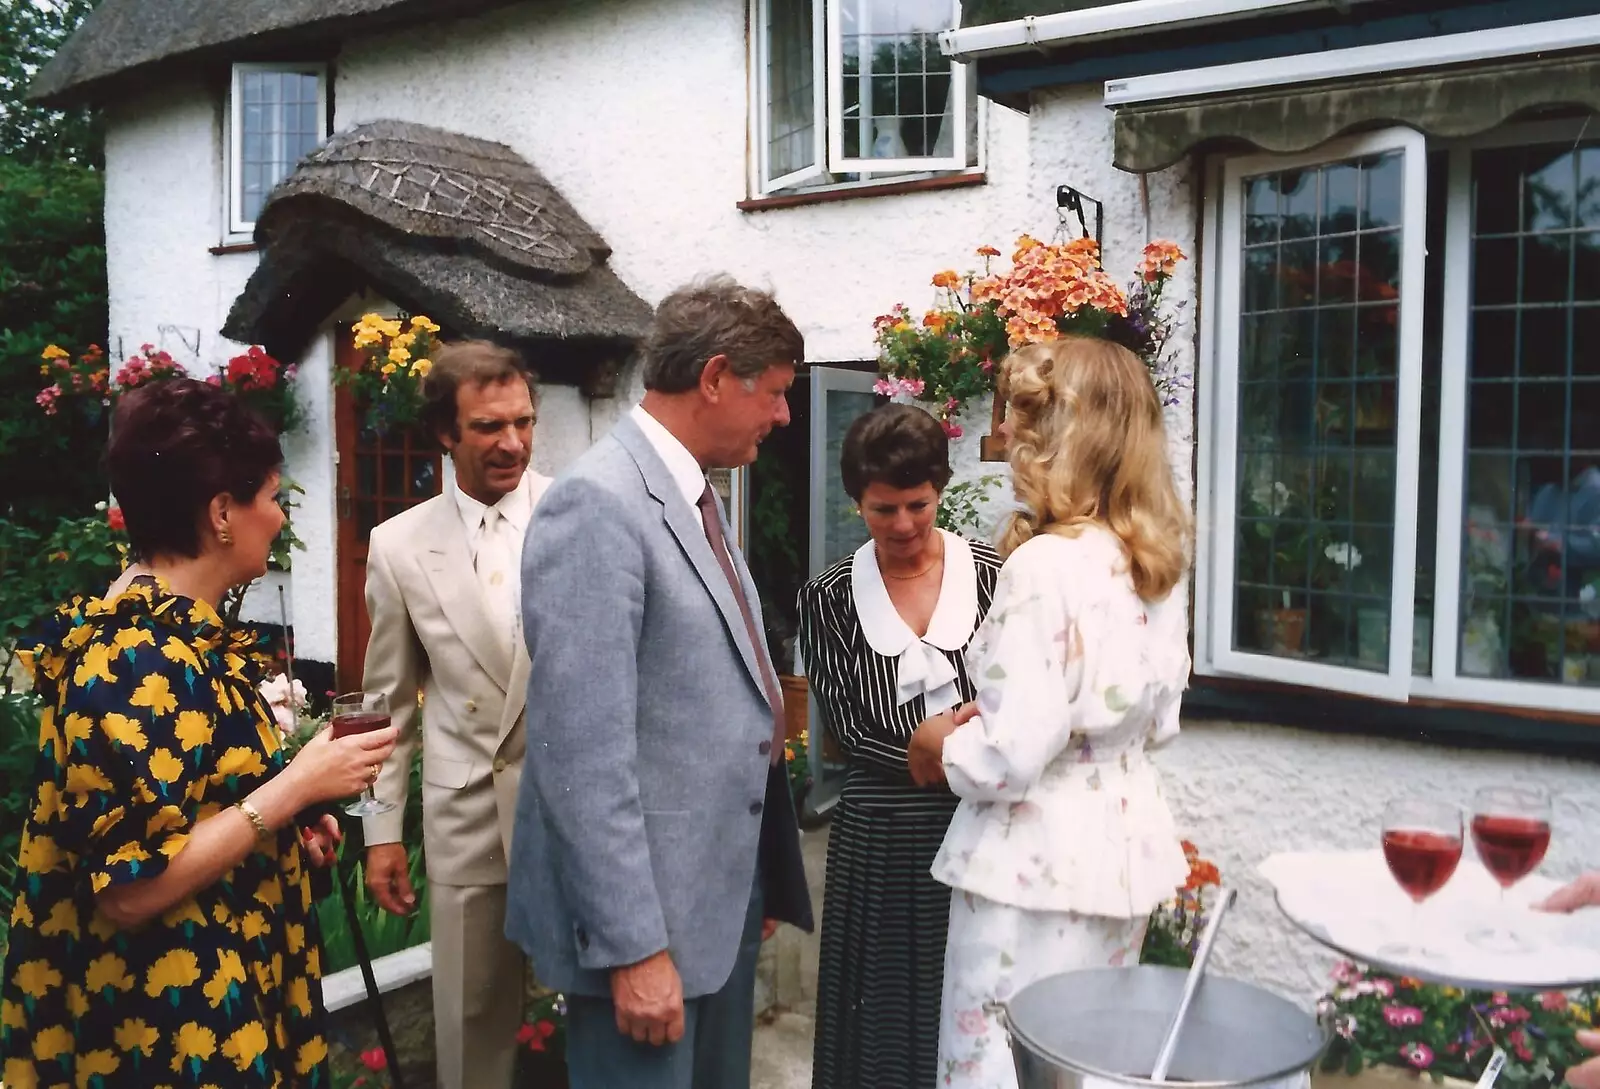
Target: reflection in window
[1531,532]
[1318,379]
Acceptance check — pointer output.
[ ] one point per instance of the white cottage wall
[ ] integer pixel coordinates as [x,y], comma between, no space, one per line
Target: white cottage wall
[164,207]
[1244,791]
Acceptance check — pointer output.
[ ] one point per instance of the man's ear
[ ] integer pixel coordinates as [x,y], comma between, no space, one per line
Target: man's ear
[711,376]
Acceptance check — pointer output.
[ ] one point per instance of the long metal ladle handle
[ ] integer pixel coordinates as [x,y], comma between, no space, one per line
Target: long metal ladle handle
[1169,1046]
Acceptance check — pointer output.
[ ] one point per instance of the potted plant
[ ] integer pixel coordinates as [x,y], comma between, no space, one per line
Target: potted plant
[1173,936]
[1392,1029]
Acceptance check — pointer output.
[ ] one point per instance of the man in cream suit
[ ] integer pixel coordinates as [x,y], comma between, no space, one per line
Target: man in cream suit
[656,836]
[442,592]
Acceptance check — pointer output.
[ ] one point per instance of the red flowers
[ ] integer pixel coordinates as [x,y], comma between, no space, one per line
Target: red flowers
[533,1036]
[375,1060]
[255,370]
[115,520]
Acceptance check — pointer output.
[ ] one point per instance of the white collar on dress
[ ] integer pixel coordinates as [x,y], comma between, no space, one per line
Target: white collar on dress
[685,470]
[923,670]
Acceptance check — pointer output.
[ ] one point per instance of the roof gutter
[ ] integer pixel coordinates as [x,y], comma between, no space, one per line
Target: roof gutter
[1041,32]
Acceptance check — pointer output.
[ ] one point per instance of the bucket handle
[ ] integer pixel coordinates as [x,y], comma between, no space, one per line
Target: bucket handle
[997,1010]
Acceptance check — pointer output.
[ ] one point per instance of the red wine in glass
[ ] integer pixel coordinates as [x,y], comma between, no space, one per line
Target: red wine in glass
[1422,845]
[360,713]
[1511,847]
[1422,862]
[359,722]
[1511,831]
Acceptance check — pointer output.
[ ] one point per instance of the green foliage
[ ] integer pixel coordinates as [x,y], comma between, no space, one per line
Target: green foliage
[43,568]
[961,506]
[52,288]
[31,31]
[19,731]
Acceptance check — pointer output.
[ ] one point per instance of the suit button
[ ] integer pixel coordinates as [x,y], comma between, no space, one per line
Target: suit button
[755,809]
[472,705]
[764,748]
[499,764]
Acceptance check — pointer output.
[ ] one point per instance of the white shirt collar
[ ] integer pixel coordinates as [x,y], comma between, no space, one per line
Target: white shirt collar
[516,507]
[923,670]
[685,470]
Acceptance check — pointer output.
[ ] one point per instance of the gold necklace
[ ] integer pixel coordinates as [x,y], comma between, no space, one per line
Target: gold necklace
[907,578]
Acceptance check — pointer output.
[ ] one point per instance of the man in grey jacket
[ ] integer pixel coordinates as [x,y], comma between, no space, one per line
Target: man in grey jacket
[655,843]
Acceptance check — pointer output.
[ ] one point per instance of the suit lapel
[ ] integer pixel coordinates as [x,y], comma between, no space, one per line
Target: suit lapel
[517,687]
[448,565]
[684,522]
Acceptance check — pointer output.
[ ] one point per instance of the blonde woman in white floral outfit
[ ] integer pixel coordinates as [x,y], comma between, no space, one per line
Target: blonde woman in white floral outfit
[1062,844]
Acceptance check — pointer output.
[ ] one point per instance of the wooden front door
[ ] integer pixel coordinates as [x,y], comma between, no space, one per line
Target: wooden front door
[379,476]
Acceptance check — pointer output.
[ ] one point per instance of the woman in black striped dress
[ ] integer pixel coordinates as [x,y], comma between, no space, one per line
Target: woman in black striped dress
[882,635]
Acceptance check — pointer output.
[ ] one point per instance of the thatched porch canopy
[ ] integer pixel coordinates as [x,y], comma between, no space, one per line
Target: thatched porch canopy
[124,43]
[461,229]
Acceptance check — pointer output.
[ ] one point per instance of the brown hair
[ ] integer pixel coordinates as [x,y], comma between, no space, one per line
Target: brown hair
[712,317]
[898,445]
[175,446]
[1088,446]
[468,363]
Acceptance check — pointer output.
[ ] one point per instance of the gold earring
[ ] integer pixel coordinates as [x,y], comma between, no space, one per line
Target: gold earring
[225,537]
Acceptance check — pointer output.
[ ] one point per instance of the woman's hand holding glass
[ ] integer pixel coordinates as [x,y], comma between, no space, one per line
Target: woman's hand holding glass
[329,768]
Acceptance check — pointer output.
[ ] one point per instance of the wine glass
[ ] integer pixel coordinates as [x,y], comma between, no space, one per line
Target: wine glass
[360,713]
[1422,845]
[1511,831]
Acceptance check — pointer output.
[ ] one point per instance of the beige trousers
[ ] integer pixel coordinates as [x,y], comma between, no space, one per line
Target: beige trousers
[477,987]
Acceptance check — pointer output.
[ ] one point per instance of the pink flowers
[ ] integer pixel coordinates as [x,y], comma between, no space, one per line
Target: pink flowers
[1554,1001]
[47,399]
[533,1036]
[149,365]
[1346,972]
[1418,1055]
[375,1060]
[893,387]
[971,1023]
[1400,1016]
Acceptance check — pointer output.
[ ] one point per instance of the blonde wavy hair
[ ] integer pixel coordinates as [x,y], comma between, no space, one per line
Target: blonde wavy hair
[1087,447]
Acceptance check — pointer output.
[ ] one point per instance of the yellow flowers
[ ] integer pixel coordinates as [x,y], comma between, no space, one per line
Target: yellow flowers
[312,1052]
[193,729]
[124,731]
[54,351]
[239,761]
[155,692]
[195,1043]
[134,1035]
[165,766]
[395,357]
[35,978]
[176,650]
[95,665]
[245,1044]
[50,1042]
[108,973]
[175,970]
[230,970]
[421,367]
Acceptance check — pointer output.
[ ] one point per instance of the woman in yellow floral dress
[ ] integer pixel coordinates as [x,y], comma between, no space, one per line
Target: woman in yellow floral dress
[163,932]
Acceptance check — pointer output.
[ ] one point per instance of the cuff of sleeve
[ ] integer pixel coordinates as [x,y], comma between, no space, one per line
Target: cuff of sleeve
[384,828]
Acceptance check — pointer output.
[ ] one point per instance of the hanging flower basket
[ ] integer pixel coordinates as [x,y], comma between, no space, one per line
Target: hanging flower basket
[1050,290]
[394,355]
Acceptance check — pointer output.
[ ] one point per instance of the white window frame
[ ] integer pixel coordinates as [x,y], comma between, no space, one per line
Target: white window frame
[763,111]
[1217,371]
[1446,683]
[1219,403]
[238,227]
[827,90]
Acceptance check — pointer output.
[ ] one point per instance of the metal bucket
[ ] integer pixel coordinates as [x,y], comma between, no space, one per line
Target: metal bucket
[1082,1030]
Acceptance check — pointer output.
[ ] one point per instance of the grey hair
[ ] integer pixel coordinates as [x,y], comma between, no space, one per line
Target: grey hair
[718,316]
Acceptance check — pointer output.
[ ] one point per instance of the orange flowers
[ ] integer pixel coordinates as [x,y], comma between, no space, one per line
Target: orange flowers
[1160,261]
[949,278]
[1201,871]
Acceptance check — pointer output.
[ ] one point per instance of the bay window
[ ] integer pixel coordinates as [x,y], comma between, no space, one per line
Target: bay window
[1401,419]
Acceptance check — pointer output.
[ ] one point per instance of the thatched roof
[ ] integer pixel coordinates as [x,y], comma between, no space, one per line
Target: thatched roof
[123,41]
[461,229]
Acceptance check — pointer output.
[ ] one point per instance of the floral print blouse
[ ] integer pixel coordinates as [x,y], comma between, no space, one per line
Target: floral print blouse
[151,723]
[1076,677]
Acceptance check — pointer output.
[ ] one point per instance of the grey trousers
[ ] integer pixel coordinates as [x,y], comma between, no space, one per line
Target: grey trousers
[713,1054]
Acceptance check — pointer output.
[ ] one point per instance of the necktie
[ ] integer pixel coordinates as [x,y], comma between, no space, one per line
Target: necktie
[496,568]
[713,527]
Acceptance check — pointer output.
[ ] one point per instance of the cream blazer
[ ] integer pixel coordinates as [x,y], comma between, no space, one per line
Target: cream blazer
[432,636]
